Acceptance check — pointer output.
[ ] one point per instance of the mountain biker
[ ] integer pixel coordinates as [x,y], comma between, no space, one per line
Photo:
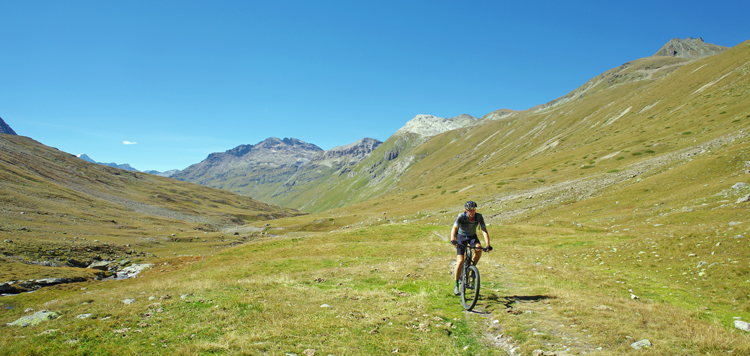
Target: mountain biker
[464,232]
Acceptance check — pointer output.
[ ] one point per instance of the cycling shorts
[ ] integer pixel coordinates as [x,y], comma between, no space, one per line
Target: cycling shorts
[466,240]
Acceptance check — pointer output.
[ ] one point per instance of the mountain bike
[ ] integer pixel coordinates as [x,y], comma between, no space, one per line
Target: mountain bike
[469,282]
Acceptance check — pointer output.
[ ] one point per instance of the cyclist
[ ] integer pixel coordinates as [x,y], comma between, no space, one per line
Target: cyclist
[464,232]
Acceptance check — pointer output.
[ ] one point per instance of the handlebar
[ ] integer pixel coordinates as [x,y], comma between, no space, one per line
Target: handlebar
[485,249]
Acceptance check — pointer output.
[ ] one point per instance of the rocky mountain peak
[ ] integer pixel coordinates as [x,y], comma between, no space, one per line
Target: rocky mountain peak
[5,129]
[286,143]
[428,125]
[689,48]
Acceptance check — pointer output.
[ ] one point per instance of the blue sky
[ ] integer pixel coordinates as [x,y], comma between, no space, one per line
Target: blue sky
[162,84]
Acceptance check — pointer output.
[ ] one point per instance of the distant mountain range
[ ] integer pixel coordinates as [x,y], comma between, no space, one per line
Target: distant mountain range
[5,129]
[126,166]
[282,171]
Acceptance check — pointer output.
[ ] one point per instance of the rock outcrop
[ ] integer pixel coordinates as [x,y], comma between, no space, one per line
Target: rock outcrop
[689,48]
[5,129]
[428,125]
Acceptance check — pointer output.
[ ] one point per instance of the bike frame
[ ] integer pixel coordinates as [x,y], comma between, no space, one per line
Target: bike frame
[469,280]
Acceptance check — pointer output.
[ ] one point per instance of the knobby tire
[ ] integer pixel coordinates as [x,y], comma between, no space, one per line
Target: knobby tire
[470,288]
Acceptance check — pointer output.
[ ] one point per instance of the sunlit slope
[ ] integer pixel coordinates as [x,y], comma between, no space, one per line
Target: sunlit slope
[594,137]
[376,175]
[45,191]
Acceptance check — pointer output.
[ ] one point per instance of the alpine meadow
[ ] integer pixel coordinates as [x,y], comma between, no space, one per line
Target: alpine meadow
[619,216]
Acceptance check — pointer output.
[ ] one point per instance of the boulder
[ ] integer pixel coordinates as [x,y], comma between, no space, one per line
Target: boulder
[7,288]
[35,319]
[100,265]
[52,281]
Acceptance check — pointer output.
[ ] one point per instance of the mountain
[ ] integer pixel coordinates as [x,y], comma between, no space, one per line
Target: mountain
[33,171]
[639,103]
[5,129]
[290,172]
[252,170]
[689,48]
[325,166]
[647,115]
[127,167]
[66,211]
[168,173]
[417,149]
[428,125]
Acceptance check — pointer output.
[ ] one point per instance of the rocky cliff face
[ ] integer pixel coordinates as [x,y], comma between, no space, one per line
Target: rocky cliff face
[5,129]
[689,48]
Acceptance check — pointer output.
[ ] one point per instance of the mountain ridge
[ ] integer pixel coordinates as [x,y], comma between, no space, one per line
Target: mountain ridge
[5,128]
[689,48]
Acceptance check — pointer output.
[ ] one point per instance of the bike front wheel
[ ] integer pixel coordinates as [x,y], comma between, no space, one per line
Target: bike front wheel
[470,288]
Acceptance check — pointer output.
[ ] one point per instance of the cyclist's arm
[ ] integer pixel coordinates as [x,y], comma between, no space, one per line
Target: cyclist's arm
[454,232]
[486,236]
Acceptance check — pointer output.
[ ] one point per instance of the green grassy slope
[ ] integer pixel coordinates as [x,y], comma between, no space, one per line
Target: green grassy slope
[644,108]
[591,139]
[56,207]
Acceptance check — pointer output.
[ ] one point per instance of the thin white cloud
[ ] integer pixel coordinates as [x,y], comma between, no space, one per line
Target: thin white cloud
[128,143]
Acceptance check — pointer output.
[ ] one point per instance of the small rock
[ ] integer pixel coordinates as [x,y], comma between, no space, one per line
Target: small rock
[739,324]
[128,301]
[739,185]
[84,316]
[701,264]
[309,352]
[641,344]
[28,310]
[326,306]
[744,199]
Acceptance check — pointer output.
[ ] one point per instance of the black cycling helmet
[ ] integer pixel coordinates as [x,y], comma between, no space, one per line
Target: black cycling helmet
[470,205]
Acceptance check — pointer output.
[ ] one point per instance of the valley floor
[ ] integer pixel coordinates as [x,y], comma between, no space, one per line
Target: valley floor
[388,290]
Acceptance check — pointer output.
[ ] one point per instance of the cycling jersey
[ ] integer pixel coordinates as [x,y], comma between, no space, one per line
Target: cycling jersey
[467,227]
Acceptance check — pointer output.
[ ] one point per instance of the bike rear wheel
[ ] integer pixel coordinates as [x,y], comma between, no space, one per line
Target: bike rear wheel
[470,288]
